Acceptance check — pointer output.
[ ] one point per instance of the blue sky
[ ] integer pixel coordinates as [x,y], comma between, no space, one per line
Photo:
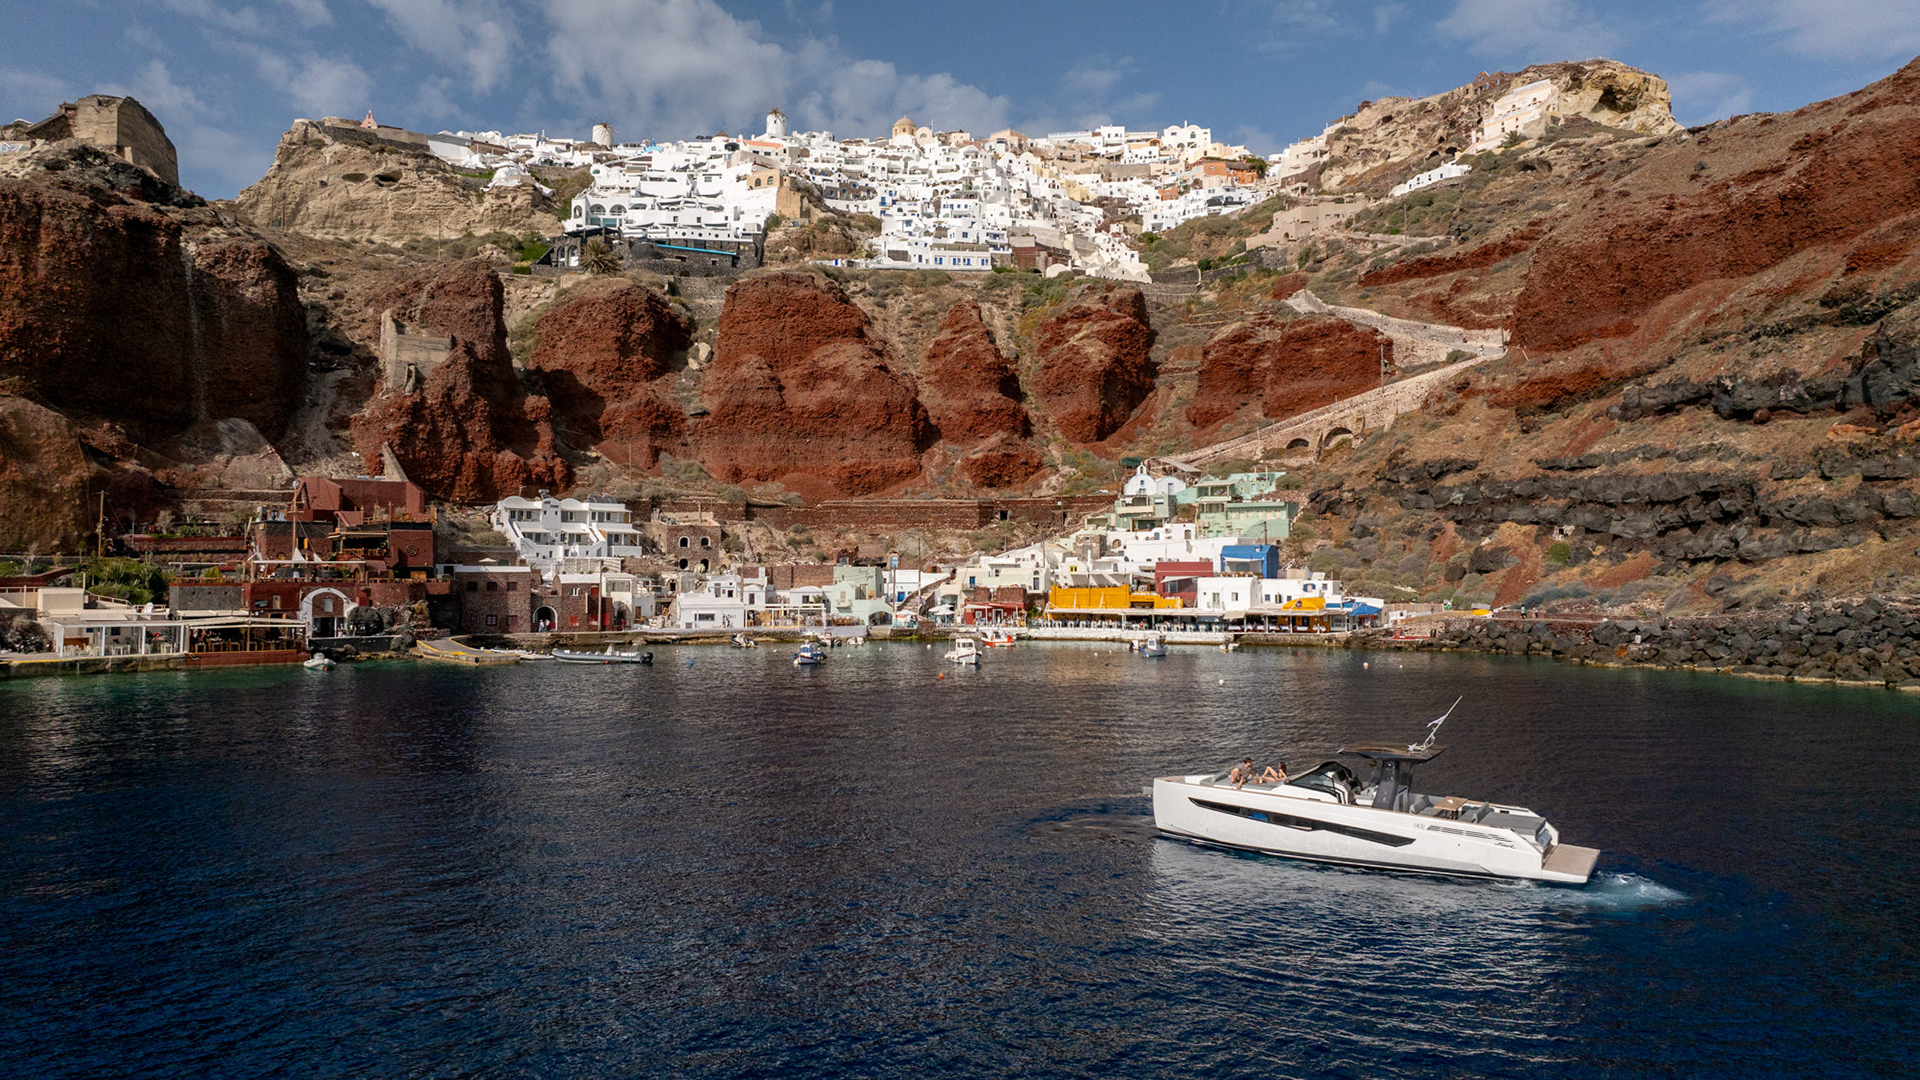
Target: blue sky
[227,76]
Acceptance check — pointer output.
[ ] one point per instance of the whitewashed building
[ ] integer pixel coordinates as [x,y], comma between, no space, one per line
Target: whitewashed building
[546,532]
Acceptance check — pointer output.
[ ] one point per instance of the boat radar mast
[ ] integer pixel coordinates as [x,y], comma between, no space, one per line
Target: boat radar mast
[1433,728]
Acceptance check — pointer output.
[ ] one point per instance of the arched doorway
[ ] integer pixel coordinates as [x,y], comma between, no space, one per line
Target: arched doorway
[325,612]
[1299,444]
[1335,436]
[880,618]
[545,618]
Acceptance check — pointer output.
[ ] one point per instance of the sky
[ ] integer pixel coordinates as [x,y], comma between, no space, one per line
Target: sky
[227,77]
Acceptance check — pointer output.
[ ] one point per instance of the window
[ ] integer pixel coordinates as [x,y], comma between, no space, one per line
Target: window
[706,541]
[492,620]
[493,586]
[683,542]
[512,585]
[473,586]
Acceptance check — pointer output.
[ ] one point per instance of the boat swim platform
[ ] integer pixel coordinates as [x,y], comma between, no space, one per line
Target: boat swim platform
[455,651]
[1570,859]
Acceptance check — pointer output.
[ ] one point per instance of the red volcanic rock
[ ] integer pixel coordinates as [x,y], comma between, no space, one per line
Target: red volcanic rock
[805,390]
[44,478]
[1095,366]
[108,310]
[1002,462]
[470,433]
[602,350]
[971,391]
[1724,205]
[1478,258]
[1287,368]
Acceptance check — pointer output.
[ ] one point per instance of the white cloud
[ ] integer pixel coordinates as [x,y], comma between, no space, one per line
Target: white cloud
[1532,31]
[1703,96]
[477,36]
[1093,76]
[669,68]
[198,143]
[1307,16]
[308,12]
[1385,15]
[35,92]
[1831,29]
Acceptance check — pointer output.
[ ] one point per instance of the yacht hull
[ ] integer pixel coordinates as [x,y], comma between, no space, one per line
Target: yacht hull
[1269,820]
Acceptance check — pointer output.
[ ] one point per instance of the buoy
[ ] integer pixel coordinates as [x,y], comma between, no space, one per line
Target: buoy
[1223,682]
[943,674]
[1364,664]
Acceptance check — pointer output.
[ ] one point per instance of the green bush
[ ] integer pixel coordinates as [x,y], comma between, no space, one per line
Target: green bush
[1558,553]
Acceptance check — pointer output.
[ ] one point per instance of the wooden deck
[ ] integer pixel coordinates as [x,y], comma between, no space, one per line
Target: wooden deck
[1568,859]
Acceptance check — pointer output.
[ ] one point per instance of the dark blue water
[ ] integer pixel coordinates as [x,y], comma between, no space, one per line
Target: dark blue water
[730,868]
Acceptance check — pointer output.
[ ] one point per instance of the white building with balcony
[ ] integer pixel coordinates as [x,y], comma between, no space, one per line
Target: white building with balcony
[546,532]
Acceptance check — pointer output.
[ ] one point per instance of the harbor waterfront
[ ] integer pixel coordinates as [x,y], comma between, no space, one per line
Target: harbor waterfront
[724,865]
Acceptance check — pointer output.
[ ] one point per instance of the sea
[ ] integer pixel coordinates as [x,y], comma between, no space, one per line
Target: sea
[724,866]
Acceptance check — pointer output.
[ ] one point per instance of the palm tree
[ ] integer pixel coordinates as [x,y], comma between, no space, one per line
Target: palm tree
[599,258]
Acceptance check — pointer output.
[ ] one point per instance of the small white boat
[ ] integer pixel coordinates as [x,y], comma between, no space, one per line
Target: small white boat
[809,655]
[318,662]
[1327,815]
[530,654]
[997,639]
[1153,645]
[742,641]
[1229,646]
[965,651]
[610,656]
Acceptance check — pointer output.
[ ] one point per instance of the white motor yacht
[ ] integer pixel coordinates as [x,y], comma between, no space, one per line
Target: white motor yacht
[965,651]
[1327,815]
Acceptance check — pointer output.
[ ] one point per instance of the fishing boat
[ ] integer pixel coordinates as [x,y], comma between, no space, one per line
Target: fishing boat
[318,662]
[1153,646]
[997,639]
[810,655]
[610,656]
[742,641]
[1328,815]
[965,651]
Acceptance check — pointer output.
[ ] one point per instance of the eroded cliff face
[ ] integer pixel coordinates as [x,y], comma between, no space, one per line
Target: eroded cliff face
[606,354]
[1096,363]
[801,392]
[44,476]
[1286,367]
[339,183]
[142,314]
[470,432]
[1385,141]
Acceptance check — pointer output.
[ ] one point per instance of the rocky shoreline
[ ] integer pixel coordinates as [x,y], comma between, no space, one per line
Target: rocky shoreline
[1862,643]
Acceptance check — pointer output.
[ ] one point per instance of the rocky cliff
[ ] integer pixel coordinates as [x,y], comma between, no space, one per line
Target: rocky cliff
[1286,367]
[470,432]
[139,312]
[1711,402]
[802,393]
[605,354]
[1387,140]
[338,182]
[1096,362]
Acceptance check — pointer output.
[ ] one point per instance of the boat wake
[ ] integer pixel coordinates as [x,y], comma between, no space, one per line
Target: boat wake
[1625,892]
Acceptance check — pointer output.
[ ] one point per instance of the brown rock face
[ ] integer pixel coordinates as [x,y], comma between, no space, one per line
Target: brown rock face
[1723,206]
[1287,368]
[43,479]
[107,309]
[602,353]
[970,390]
[805,390]
[1002,462]
[1095,363]
[343,183]
[471,433]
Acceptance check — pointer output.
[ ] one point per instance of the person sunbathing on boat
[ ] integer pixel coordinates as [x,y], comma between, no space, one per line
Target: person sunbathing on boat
[1275,774]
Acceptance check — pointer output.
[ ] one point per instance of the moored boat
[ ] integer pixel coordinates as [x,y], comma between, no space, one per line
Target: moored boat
[1153,646]
[810,655]
[997,639]
[742,641]
[1328,815]
[610,656]
[965,651]
[318,662]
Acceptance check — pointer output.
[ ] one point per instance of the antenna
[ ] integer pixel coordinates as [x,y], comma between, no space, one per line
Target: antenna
[1434,727]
